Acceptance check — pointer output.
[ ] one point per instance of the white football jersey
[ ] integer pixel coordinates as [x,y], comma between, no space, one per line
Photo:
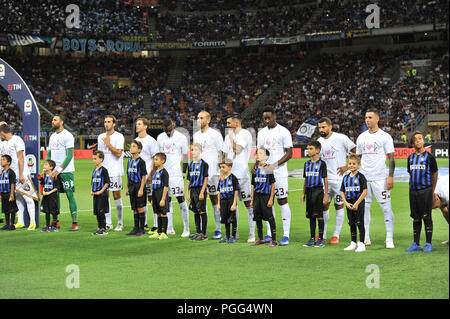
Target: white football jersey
[374,147]
[2,147]
[276,140]
[240,161]
[58,144]
[211,142]
[113,164]
[11,147]
[174,147]
[149,149]
[442,189]
[334,151]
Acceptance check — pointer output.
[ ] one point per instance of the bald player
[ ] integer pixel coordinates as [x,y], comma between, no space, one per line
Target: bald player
[212,144]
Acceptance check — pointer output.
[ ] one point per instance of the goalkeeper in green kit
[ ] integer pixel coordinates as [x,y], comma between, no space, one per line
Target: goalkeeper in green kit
[61,147]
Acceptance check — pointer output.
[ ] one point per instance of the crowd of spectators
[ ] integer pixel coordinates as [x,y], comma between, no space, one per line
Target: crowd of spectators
[239,25]
[98,18]
[84,90]
[344,15]
[113,19]
[207,5]
[221,85]
[343,87]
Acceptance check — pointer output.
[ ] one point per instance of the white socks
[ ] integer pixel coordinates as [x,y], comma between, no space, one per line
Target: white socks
[388,220]
[185,215]
[366,220]
[170,216]
[29,202]
[119,207]
[340,216]
[251,222]
[326,218]
[217,218]
[286,218]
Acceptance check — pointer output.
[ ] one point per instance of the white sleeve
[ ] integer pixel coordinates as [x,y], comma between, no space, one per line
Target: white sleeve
[119,142]
[219,140]
[389,144]
[19,144]
[287,139]
[349,145]
[225,147]
[184,145]
[358,146]
[259,140]
[242,141]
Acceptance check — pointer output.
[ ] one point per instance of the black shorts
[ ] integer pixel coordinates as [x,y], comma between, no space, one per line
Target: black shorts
[314,202]
[356,217]
[227,215]
[156,199]
[7,206]
[260,209]
[49,204]
[197,205]
[135,201]
[421,203]
[101,203]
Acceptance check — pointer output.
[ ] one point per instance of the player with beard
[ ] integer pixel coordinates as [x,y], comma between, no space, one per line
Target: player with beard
[111,144]
[334,151]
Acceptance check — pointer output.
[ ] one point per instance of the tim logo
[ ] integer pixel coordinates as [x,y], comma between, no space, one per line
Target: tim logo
[28,138]
[14,87]
[2,70]
[27,106]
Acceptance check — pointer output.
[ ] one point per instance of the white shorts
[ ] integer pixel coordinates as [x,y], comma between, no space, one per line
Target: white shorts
[378,190]
[116,183]
[213,182]
[176,186]
[334,192]
[281,187]
[245,192]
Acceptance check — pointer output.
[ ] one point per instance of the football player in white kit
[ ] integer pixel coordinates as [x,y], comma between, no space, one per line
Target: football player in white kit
[441,198]
[176,147]
[334,151]
[212,144]
[14,146]
[149,149]
[278,141]
[373,145]
[237,147]
[111,143]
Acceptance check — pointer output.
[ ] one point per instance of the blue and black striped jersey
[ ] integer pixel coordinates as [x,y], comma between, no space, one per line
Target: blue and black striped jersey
[262,181]
[197,171]
[421,168]
[353,187]
[136,170]
[160,179]
[314,172]
[228,186]
[100,177]
[7,178]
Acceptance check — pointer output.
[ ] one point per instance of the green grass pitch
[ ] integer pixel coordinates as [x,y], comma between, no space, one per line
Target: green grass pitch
[34,264]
